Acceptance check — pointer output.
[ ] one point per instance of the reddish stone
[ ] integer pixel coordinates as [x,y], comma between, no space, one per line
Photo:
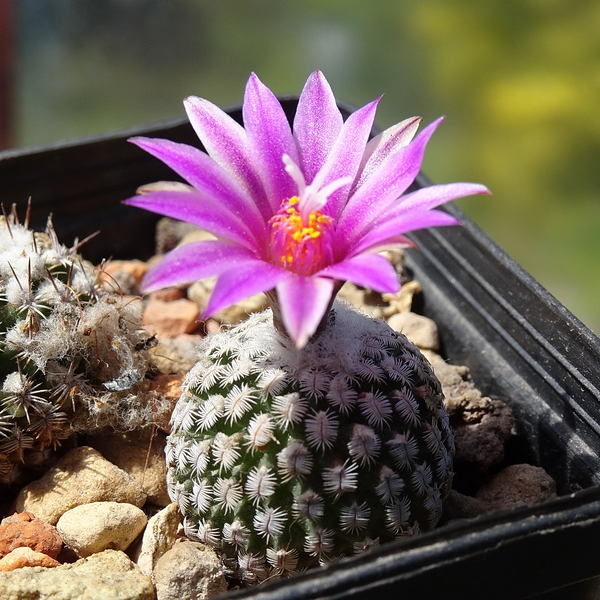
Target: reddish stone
[170,319]
[517,485]
[25,529]
[169,294]
[212,326]
[168,387]
[134,268]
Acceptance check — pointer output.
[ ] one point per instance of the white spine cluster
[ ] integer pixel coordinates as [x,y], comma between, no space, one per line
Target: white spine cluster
[70,348]
[293,458]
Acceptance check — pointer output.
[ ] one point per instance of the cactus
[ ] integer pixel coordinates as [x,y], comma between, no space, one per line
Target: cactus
[68,358]
[283,459]
[296,443]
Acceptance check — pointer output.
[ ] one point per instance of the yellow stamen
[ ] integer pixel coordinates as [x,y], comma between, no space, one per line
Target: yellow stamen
[300,246]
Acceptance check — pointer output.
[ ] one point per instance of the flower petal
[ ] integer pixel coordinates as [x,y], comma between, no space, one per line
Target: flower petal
[328,164]
[206,176]
[385,145]
[317,124]
[243,280]
[410,221]
[434,195]
[201,210]
[396,241]
[386,184]
[346,154]
[227,144]
[368,270]
[303,302]
[423,199]
[270,137]
[194,261]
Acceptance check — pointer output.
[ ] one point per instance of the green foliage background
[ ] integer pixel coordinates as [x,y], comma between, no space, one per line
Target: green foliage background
[518,80]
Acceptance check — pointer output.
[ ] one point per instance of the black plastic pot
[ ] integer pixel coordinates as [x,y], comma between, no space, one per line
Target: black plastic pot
[522,346]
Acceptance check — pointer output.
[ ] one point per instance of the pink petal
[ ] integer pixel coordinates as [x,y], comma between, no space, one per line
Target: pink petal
[385,145]
[303,302]
[420,200]
[206,176]
[347,153]
[201,210]
[194,261]
[396,241]
[317,124]
[270,137]
[243,280]
[368,270]
[399,225]
[386,184]
[227,144]
[432,196]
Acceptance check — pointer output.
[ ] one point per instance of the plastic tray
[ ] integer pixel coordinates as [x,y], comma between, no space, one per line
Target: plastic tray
[521,344]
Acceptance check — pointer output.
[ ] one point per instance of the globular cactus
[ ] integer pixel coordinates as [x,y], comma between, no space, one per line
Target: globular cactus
[283,459]
[290,449]
[68,357]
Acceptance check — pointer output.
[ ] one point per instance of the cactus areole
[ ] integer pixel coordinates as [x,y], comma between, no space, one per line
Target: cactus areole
[69,358]
[285,458]
[311,431]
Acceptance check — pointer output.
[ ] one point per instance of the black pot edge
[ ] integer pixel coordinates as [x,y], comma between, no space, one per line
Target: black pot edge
[499,321]
[504,554]
[59,161]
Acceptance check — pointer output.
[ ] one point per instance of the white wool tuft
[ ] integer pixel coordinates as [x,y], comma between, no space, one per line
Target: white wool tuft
[341,343]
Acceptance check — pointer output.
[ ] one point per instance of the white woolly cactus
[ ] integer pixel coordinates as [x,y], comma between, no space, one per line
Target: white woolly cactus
[285,459]
[308,438]
[68,347]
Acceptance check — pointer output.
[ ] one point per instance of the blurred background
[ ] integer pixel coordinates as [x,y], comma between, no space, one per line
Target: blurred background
[518,80]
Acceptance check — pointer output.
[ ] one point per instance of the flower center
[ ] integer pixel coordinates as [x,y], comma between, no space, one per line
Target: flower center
[301,245]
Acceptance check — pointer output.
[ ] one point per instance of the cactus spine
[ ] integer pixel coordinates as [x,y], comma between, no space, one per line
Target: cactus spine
[68,358]
[284,459]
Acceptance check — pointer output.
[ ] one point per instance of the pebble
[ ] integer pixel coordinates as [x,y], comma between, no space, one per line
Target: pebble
[170,319]
[26,530]
[232,315]
[168,294]
[461,506]
[200,291]
[517,485]
[123,274]
[380,306]
[169,233]
[481,426]
[176,355]
[107,575]
[98,526]
[368,301]
[420,330]
[481,430]
[189,570]
[212,326]
[196,234]
[164,186]
[401,301]
[168,389]
[141,455]
[159,537]
[81,476]
[26,557]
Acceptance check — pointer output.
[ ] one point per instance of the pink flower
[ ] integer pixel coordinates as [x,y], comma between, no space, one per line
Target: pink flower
[294,209]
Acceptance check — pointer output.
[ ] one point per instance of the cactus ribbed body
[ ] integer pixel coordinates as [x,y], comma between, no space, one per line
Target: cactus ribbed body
[283,459]
[68,346]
